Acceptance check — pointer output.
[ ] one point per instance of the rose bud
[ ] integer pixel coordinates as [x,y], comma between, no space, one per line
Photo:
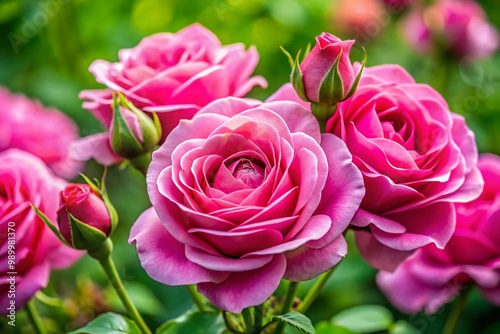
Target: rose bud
[132,132]
[84,217]
[326,76]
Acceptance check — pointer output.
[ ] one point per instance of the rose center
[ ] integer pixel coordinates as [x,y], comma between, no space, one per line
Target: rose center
[249,172]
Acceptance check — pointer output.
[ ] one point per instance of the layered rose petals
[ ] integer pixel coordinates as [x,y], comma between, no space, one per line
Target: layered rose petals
[417,159]
[44,132]
[172,75]
[432,277]
[246,194]
[25,180]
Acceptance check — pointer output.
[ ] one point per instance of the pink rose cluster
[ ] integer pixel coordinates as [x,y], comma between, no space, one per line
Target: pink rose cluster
[432,276]
[45,132]
[417,159]
[172,75]
[34,144]
[245,194]
[27,246]
[458,26]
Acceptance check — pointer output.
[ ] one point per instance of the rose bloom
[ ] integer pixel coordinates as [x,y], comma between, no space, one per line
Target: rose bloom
[44,132]
[461,27]
[25,179]
[431,277]
[359,17]
[84,204]
[417,159]
[246,194]
[173,75]
[318,63]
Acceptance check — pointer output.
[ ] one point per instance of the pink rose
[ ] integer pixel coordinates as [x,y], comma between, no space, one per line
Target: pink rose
[431,277]
[359,17]
[461,25]
[173,75]
[44,132]
[84,204]
[243,195]
[320,61]
[25,179]
[417,159]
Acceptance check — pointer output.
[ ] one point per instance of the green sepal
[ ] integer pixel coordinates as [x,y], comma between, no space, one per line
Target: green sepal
[123,141]
[151,128]
[296,76]
[288,56]
[92,185]
[331,89]
[297,79]
[157,123]
[84,236]
[99,187]
[358,77]
[49,224]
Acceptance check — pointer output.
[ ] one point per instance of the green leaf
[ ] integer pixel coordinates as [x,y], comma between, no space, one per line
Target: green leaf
[296,320]
[403,327]
[326,327]
[49,224]
[364,319]
[83,235]
[109,323]
[194,322]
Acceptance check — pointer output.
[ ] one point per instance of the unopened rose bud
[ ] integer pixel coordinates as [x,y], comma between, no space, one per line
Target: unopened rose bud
[132,132]
[83,216]
[326,76]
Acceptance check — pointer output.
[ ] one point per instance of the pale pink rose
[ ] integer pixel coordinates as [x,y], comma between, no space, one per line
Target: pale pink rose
[25,179]
[44,132]
[173,75]
[360,17]
[460,26]
[432,277]
[417,159]
[243,195]
[318,63]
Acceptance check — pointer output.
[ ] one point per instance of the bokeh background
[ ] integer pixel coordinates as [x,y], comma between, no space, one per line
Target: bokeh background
[60,38]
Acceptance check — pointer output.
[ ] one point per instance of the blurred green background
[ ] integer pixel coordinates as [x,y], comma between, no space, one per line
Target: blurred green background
[62,37]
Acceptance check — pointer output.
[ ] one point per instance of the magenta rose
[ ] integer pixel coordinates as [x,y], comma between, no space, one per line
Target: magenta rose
[25,240]
[82,203]
[243,195]
[173,75]
[417,159]
[432,277]
[460,26]
[44,132]
[320,61]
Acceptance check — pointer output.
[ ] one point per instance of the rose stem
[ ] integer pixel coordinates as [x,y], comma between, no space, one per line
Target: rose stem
[452,321]
[287,305]
[34,317]
[258,313]
[195,296]
[103,255]
[315,290]
[247,318]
